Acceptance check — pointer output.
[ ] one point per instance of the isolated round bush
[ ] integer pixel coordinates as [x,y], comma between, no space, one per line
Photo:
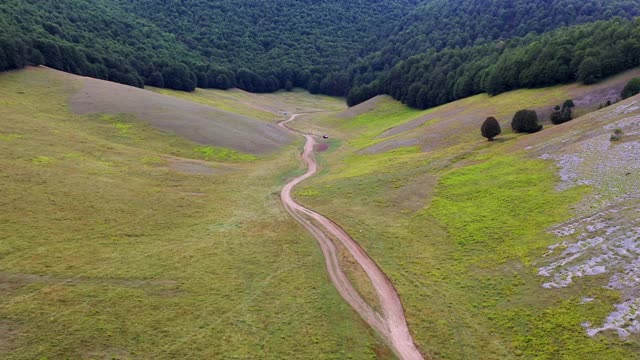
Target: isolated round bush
[632,88]
[525,121]
[490,128]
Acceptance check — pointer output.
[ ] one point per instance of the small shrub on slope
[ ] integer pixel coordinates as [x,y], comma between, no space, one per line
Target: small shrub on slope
[525,121]
[564,114]
[632,88]
[617,135]
[490,128]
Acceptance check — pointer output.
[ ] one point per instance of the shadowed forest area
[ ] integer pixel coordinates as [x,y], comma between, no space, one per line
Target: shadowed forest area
[424,53]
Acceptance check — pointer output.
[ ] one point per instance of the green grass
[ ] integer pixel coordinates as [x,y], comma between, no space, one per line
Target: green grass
[223,154]
[463,250]
[487,206]
[496,215]
[223,100]
[105,252]
[267,107]
[364,129]
[135,260]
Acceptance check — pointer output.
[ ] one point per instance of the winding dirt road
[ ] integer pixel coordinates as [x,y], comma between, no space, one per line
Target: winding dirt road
[391,324]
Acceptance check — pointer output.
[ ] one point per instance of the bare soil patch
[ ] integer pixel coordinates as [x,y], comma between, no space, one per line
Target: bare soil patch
[593,95]
[320,147]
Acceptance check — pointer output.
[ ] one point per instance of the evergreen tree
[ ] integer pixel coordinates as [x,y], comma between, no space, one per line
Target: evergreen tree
[490,128]
[525,121]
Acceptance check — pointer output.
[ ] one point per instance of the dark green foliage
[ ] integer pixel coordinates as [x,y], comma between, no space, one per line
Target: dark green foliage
[581,53]
[156,79]
[631,89]
[362,93]
[278,43]
[564,114]
[179,77]
[490,128]
[589,71]
[440,24]
[357,49]
[525,121]
[568,104]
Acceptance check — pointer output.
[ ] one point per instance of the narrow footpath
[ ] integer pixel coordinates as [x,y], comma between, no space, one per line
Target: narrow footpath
[391,324]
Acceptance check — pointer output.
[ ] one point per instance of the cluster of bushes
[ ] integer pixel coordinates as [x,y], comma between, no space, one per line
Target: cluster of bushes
[563,114]
[526,121]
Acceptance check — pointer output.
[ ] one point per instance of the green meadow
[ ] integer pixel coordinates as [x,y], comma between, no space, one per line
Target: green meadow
[119,241]
[459,228]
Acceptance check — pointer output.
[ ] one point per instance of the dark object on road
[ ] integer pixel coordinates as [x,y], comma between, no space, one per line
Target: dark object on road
[325,136]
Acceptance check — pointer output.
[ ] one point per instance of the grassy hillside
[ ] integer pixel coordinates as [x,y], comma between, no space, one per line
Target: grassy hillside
[121,241]
[266,107]
[462,225]
[202,123]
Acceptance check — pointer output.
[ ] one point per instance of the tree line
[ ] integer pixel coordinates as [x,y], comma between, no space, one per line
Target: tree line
[585,53]
[422,52]
[254,45]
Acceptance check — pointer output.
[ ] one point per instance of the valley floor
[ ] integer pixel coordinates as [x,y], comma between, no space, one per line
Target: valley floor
[468,230]
[122,241]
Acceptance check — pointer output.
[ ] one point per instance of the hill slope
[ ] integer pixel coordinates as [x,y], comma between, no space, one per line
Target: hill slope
[120,241]
[200,123]
[475,235]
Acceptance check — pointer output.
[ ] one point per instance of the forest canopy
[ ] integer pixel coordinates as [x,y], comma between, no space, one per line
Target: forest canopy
[423,52]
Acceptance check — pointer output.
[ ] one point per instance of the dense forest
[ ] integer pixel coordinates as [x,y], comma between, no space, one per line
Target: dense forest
[423,52]
[585,53]
[255,45]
